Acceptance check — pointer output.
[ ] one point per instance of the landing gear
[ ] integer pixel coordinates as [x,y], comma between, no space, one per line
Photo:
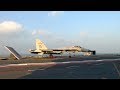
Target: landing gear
[69,55]
[51,56]
[74,55]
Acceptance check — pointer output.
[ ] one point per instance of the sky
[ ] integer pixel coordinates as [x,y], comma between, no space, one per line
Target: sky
[94,30]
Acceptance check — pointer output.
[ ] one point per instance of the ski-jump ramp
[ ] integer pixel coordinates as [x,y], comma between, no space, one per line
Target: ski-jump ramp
[13,52]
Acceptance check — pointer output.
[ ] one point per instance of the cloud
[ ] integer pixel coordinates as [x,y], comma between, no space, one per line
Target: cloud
[84,33]
[54,13]
[51,39]
[42,32]
[34,32]
[10,26]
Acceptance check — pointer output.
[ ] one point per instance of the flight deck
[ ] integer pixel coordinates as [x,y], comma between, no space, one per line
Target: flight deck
[97,70]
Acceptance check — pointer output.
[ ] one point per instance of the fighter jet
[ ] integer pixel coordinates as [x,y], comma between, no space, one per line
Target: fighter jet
[42,49]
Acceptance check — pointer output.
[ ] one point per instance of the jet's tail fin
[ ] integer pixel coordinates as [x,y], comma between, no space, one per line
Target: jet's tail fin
[40,45]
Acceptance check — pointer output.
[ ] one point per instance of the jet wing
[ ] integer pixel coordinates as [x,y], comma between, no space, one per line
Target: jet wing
[48,50]
[64,49]
[51,52]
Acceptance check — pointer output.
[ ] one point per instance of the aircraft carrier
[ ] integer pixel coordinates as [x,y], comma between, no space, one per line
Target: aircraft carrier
[106,66]
[75,67]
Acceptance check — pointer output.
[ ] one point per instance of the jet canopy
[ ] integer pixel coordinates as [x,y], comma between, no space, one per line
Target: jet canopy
[78,46]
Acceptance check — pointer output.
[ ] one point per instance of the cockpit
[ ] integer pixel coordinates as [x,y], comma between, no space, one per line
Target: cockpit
[77,46]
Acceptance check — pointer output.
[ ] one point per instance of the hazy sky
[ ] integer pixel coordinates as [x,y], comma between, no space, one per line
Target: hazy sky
[95,30]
